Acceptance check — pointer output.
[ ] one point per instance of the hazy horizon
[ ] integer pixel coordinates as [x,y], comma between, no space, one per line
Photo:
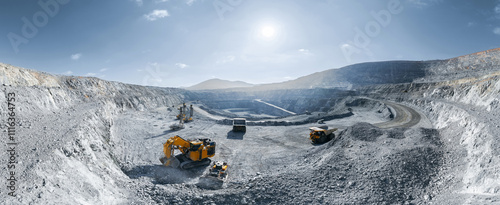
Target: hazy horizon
[179,43]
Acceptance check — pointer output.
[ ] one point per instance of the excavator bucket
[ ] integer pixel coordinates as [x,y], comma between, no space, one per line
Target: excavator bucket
[170,162]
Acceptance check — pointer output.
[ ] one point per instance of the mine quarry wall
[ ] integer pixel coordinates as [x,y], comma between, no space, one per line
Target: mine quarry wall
[53,92]
[298,101]
[83,109]
[465,113]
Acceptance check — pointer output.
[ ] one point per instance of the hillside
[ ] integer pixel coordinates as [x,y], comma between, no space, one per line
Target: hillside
[217,84]
[390,72]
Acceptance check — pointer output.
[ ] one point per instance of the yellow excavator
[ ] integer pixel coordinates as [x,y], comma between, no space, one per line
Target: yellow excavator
[194,153]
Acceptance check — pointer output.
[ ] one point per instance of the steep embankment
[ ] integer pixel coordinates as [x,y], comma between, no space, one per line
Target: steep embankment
[65,150]
[465,111]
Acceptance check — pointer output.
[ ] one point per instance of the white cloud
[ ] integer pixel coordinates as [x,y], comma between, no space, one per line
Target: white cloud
[156,14]
[345,46]
[90,74]
[418,2]
[138,2]
[190,2]
[423,3]
[76,56]
[496,31]
[226,59]
[181,65]
[497,10]
[305,51]
[103,70]
[160,1]
[68,72]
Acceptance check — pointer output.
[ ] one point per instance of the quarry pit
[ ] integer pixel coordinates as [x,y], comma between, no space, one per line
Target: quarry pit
[425,140]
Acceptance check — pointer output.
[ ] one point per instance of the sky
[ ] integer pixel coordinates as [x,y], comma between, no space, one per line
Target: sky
[178,43]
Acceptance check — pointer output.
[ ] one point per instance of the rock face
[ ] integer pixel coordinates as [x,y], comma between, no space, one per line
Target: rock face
[86,140]
[66,150]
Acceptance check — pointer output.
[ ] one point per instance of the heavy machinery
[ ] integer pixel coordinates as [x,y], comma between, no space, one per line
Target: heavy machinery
[191,112]
[215,178]
[183,110]
[194,153]
[219,169]
[319,135]
[239,125]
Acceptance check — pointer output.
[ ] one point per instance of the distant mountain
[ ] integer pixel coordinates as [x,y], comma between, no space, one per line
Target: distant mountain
[377,73]
[393,72]
[217,84]
[356,75]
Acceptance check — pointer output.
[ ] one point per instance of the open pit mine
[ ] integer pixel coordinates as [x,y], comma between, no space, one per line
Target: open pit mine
[396,132]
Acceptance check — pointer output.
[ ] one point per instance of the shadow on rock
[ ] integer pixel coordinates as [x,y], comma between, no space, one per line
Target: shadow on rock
[235,135]
[164,175]
[160,135]
[209,182]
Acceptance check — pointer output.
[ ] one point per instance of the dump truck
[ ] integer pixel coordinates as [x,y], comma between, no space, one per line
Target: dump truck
[239,125]
[322,134]
[194,153]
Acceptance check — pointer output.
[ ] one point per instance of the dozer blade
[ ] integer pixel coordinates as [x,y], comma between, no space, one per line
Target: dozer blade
[172,162]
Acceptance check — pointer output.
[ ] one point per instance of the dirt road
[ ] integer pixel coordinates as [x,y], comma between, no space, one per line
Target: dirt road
[404,116]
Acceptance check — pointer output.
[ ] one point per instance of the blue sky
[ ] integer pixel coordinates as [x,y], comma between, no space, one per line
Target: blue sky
[175,43]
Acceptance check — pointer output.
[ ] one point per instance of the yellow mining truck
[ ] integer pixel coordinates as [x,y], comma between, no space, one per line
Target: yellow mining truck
[320,135]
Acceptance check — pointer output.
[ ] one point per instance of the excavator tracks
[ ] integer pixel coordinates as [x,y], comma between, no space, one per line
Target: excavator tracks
[193,164]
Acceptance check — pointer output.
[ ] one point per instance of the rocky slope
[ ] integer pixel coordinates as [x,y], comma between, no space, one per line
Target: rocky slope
[65,152]
[465,113]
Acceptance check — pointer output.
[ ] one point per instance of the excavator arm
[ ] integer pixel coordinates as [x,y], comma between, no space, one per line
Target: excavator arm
[173,143]
[194,152]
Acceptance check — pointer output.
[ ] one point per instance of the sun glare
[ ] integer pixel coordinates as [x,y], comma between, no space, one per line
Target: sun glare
[268,31]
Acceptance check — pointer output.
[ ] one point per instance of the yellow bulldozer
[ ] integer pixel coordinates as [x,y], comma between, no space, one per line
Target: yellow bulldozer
[194,153]
[320,135]
[219,169]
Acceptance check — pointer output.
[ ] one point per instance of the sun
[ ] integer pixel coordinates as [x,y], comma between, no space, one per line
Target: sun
[268,32]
